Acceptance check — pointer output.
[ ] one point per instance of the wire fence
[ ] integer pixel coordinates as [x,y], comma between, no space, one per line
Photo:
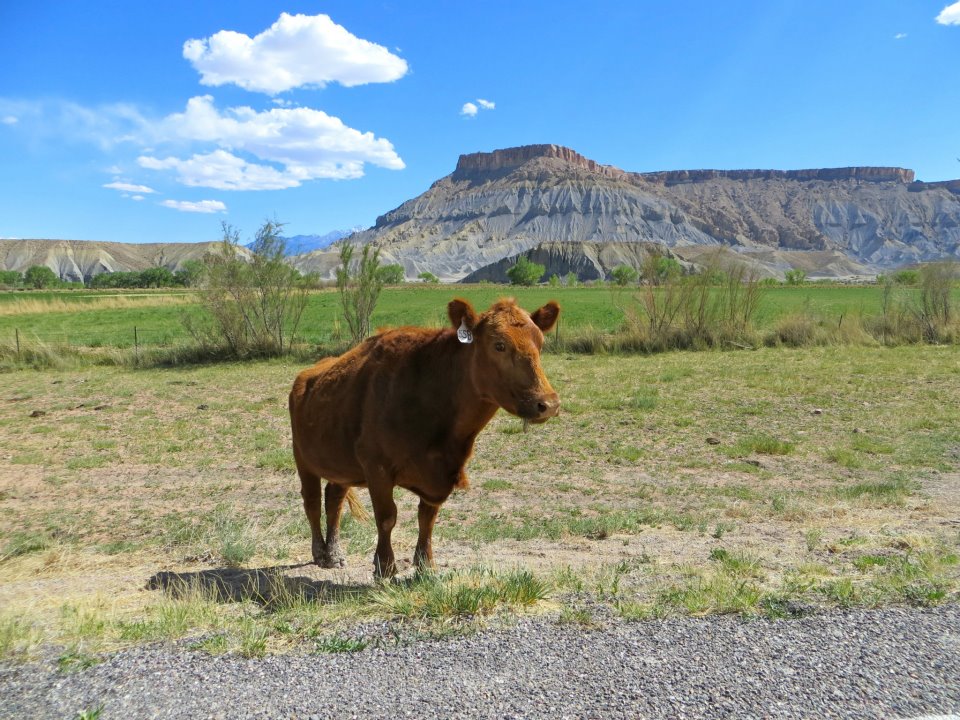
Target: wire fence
[135,337]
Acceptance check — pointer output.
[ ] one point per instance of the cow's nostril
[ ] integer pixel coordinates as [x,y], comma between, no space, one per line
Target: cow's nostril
[542,407]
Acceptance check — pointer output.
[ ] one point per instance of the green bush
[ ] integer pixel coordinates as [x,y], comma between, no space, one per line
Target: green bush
[526,272]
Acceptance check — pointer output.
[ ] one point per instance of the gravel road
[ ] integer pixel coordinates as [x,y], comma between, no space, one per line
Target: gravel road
[891,663]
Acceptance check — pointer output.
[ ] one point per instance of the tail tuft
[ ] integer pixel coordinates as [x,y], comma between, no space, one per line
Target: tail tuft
[357,509]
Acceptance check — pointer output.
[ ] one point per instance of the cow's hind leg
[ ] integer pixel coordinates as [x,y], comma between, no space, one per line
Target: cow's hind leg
[334,496]
[313,505]
[426,517]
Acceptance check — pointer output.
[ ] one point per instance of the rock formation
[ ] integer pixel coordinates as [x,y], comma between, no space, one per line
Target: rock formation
[540,198]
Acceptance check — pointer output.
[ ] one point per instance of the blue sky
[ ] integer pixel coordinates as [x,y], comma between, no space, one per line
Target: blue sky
[154,122]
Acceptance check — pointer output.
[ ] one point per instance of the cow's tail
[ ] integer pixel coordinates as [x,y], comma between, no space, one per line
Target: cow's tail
[357,509]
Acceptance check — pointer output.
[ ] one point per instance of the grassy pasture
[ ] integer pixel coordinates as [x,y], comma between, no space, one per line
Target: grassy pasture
[107,318]
[150,505]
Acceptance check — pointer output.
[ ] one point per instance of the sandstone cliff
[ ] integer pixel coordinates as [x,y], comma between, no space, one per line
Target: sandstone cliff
[495,206]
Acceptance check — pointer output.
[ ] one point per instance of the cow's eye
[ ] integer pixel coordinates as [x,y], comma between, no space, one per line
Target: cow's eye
[500,346]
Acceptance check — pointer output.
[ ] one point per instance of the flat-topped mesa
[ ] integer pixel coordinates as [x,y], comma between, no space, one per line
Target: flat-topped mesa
[864,174]
[508,158]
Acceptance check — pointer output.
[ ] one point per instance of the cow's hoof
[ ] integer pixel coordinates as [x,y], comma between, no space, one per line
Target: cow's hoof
[384,571]
[333,561]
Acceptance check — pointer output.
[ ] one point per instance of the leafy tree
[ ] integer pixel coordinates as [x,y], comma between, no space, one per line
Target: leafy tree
[571,279]
[428,277]
[795,277]
[554,280]
[254,305]
[40,276]
[156,277]
[658,269]
[906,277]
[624,275]
[359,284]
[190,273]
[391,274]
[11,278]
[525,272]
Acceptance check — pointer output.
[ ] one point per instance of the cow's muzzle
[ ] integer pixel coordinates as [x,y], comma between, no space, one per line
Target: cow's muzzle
[541,409]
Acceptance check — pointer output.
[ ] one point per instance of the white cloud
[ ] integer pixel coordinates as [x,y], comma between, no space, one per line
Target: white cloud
[471,109]
[9,119]
[136,197]
[104,125]
[899,36]
[950,15]
[290,146]
[203,206]
[222,171]
[129,187]
[296,51]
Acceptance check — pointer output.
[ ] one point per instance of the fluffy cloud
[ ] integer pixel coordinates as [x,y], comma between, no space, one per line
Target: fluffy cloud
[204,206]
[290,146]
[950,15]
[296,51]
[129,187]
[471,109]
[9,120]
[899,36]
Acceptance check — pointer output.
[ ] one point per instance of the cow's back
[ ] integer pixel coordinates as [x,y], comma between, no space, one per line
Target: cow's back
[339,400]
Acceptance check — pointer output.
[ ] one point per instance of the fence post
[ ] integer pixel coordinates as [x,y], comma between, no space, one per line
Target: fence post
[136,345]
[17,331]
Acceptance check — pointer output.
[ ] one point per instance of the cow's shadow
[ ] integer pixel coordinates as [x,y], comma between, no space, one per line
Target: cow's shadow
[271,587]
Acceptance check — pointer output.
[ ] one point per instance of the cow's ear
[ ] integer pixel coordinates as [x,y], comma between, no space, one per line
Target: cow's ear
[461,312]
[546,317]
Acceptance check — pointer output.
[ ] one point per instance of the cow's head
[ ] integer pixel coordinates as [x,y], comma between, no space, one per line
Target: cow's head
[505,344]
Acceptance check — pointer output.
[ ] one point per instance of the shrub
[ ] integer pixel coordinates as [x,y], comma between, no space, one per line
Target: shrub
[624,275]
[795,277]
[254,306]
[390,274]
[525,272]
[359,284]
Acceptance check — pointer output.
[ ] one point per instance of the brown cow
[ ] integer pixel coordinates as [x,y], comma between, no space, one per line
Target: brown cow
[404,408]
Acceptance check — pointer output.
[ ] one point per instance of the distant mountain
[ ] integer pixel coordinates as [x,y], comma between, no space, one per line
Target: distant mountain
[80,260]
[574,215]
[301,244]
[555,204]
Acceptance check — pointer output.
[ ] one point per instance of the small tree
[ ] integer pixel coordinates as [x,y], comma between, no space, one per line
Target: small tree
[359,285]
[571,279]
[156,277]
[624,275]
[428,277]
[795,277]
[526,272]
[40,277]
[10,278]
[255,304]
[190,273]
[391,274]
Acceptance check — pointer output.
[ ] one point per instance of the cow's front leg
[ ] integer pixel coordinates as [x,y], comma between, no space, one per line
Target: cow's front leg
[385,514]
[334,495]
[426,517]
[313,505]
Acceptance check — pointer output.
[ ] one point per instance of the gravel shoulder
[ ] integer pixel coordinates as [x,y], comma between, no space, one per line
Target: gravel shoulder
[889,663]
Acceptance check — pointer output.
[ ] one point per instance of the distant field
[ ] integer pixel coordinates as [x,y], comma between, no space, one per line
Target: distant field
[108,319]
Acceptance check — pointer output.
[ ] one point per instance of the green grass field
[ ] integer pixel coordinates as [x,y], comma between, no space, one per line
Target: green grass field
[108,318]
